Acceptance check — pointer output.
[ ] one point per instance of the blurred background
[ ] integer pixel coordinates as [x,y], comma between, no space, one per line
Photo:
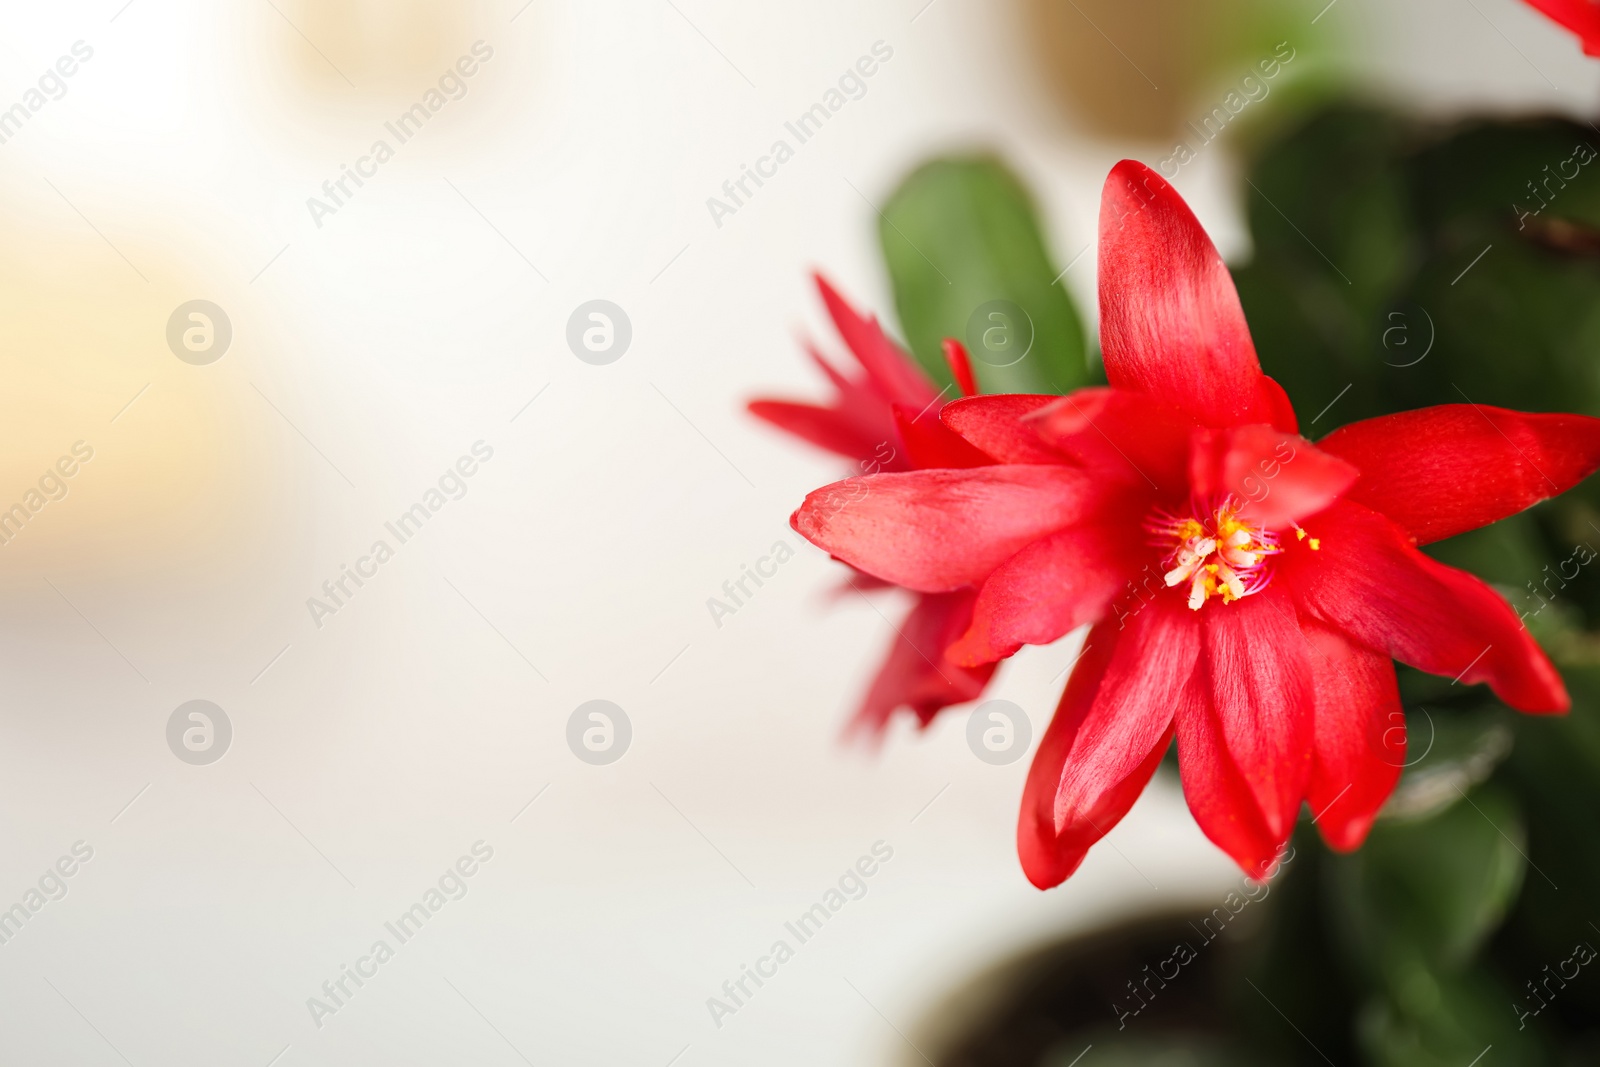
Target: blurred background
[361,342]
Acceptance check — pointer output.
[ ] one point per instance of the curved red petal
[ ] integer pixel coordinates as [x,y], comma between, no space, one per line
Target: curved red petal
[824,427]
[955,356]
[1360,733]
[1049,589]
[1368,581]
[1245,753]
[915,672]
[935,531]
[898,379]
[1276,478]
[834,375]
[995,424]
[857,423]
[1170,320]
[1106,739]
[1582,17]
[930,443]
[1444,470]
[1119,434]
[1283,417]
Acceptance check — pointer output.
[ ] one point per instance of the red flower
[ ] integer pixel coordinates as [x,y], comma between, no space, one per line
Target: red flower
[886,419]
[1582,17]
[1248,589]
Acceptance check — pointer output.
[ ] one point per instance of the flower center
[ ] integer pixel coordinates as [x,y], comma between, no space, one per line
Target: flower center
[1215,553]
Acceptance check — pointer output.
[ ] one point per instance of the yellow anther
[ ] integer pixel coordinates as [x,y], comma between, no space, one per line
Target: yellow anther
[1219,555]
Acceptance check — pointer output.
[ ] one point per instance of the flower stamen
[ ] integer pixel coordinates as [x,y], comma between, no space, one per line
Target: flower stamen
[1218,554]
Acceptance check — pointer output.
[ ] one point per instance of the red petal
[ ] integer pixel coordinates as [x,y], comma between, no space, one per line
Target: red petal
[929,443]
[938,530]
[1245,753]
[1278,478]
[1445,470]
[1109,733]
[1118,433]
[898,379]
[1582,17]
[858,582]
[1360,736]
[1170,320]
[955,354]
[1283,417]
[840,382]
[1370,582]
[915,673]
[823,427]
[995,425]
[858,423]
[1050,588]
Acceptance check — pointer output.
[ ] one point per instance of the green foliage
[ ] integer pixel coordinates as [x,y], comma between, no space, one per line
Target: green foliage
[1422,896]
[1399,265]
[1450,751]
[1368,229]
[1445,1021]
[960,234]
[1396,265]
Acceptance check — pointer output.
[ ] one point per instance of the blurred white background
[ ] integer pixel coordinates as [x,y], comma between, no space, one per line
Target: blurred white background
[368,354]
